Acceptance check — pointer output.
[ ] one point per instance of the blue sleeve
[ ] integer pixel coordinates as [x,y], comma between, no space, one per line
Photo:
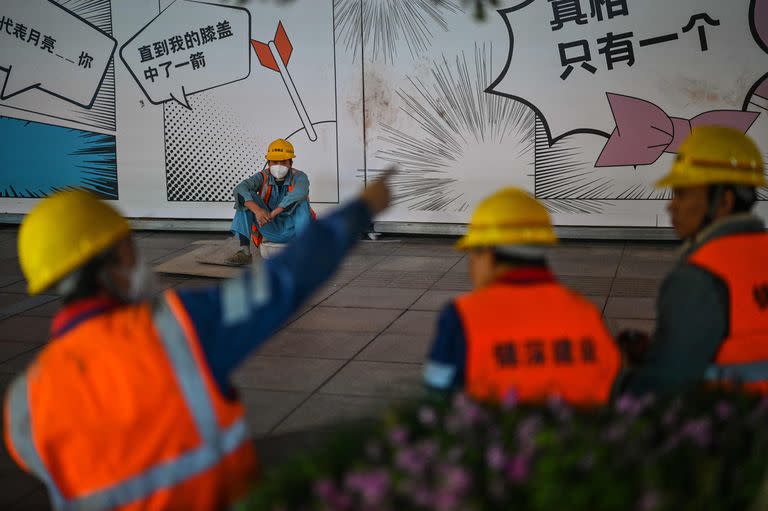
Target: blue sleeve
[234,318]
[300,191]
[444,369]
[692,321]
[248,188]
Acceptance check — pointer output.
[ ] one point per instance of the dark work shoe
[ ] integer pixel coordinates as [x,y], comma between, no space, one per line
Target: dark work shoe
[240,258]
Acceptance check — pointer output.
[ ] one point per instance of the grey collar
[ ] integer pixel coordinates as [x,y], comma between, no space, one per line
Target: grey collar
[732,224]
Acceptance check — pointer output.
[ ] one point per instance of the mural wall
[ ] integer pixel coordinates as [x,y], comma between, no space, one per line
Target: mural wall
[165,105]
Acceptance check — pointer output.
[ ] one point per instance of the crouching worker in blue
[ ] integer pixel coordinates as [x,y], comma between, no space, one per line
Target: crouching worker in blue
[272,205]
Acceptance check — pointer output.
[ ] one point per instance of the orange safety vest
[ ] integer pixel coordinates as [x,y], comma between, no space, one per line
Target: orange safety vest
[266,191]
[539,340]
[741,261]
[122,412]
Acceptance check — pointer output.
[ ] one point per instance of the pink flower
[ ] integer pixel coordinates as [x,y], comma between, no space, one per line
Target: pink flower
[428,448]
[446,501]
[411,460]
[422,496]
[325,488]
[699,430]
[461,400]
[467,411]
[629,405]
[399,436]
[372,486]
[626,403]
[519,469]
[527,430]
[456,480]
[427,416]
[724,410]
[495,457]
[327,491]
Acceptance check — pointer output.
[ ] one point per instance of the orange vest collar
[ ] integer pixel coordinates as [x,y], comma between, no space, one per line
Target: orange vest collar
[76,312]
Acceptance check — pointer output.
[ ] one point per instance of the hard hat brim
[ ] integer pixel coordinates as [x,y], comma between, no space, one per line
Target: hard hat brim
[280,156]
[521,236]
[684,179]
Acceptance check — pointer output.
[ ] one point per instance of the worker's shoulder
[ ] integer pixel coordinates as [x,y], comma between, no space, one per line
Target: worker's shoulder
[686,278]
[299,173]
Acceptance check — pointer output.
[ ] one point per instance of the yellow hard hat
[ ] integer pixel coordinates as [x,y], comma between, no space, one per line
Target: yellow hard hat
[280,150]
[62,233]
[510,216]
[715,155]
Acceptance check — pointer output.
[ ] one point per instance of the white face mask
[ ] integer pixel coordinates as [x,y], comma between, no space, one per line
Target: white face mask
[143,282]
[279,171]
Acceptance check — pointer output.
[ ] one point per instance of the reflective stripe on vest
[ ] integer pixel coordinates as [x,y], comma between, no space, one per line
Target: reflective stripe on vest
[216,443]
[20,423]
[265,190]
[749,372]
[739,261]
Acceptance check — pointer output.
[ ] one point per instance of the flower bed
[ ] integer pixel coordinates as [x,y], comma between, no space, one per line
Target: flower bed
[706,450]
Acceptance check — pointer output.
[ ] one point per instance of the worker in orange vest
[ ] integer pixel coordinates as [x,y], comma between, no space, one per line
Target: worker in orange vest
[520,330]
[130,405]
[712,309]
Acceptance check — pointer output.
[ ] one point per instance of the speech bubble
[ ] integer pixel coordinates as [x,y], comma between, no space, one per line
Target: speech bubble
[188,48]
[44,46]
[682,65]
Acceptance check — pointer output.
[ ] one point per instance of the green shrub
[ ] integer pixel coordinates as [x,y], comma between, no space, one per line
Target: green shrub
[707,450]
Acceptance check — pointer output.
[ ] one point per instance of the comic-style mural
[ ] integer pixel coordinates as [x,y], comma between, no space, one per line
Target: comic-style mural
[56,67]
[166,105]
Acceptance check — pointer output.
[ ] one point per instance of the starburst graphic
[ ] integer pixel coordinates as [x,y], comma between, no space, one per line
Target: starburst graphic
[464,143]
[386,24]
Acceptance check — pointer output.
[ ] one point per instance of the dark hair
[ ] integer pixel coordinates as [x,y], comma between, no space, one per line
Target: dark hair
[512,260]
[744,197]
[89,282]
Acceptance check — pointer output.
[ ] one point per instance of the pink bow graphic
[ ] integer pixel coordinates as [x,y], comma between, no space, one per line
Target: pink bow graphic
[643,131]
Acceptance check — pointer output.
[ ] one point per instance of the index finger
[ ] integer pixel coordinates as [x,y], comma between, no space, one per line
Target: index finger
[388,173]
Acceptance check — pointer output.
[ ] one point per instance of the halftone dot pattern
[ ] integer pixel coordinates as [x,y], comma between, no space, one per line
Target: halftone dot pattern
[207,150]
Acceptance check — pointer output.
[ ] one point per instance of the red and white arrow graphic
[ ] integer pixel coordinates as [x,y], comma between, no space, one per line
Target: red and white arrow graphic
[275,55]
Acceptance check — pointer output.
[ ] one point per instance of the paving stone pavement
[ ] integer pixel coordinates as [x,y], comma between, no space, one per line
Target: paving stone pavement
[355,347]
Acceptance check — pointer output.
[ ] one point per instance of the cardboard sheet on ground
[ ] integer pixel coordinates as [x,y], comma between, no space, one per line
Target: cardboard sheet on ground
[188,264]
[220,252]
